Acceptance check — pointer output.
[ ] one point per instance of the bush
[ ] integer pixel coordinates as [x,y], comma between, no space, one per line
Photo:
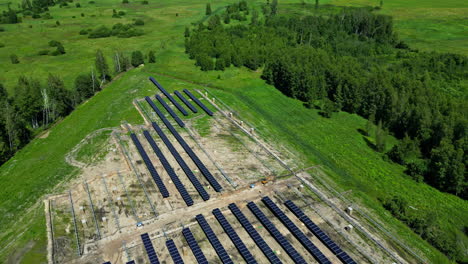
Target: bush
[2,45]
[151,57]
[145,2]
[100,32]
[82,14]
[53,43]
[55,53]
[47,16]
[91,2]
[125,31]
[78,5]
[121,13]
[139,22]
[43,52]
[35,16]
[2,29]
[124,1]
[63,4]
[83,32]
[137,58]
[57,23]
[14,59]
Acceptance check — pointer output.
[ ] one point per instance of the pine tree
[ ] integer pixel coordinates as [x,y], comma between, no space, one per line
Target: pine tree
[101,66]
[380,138]
[151,57]
[274,7]
[208,9]
[137,58]
[187,32]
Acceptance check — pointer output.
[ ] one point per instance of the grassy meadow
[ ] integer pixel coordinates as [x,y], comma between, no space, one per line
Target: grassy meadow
[335,143]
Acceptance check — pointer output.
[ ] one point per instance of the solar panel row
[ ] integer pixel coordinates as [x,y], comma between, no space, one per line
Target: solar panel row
[169,96]
[205,196]
[162,188]
[174,252]
[324,238]
[305,241]
[149,249]
[131,262]
[275,233]
[254,234]
[223,255]
[186,102]
[199,256]
[233,236]
[108,262]
[208,111]
[172,113]
[186,147]
[175,179]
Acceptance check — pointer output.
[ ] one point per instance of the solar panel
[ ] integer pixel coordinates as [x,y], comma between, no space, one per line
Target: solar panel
[169,96]
[199,256]
[174,252]
[208,111]
[168,108]
[233,236]
[186,102]
[149,249]
[131,262]
[223,255]
[343,256]
[108,262]
[162,188]
[216,186]
[254,234]
[170,171]
[205,196]
[275,233]
[305,241]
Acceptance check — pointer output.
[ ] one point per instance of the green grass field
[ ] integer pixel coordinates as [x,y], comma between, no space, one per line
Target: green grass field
[40,168]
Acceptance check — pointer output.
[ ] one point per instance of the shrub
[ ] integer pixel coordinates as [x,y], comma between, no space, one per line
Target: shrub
[91,2]
[14,59]
[47,16]
[100,32]
[83,32]
[124,1]
[62,4]
[145,2]
[53,43]
[30,26]
[78,5]
[82,14]
[73,16]
[35,16]
[137,58]
[2,29]
[139,22]
[55,53]
[151,57]
[2,45]
[43,52]
[57,23]
[121,13]
[125,31]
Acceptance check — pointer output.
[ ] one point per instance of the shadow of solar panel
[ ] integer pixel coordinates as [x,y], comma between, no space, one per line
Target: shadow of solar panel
[208,111]
[174,252]
[149,249]
[175,179]
[209,177]
[267,251]
[284,243]
[205,196]
[149,165]
[169,110]
[324,238]
[186,102]
[199,256]
[245,253]
[305,241]
[223,255]
[169,96]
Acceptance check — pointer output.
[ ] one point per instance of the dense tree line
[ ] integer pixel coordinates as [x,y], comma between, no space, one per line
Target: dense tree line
[36,104]
[353,61]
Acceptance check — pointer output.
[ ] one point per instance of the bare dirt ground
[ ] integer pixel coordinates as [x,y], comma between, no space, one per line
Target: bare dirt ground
[116,191]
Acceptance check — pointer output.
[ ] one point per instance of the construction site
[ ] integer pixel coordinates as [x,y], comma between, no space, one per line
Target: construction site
[196,184]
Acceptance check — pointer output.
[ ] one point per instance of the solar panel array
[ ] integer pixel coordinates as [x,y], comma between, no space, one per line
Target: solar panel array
[199,256]
[175,179]
[275,233]
[108,262]
[223,255]
[172,113]
[254,234]
[208,111]
[149,249]
[174,252]
[233,236]
[216,186]
[324,238]
[305,241]
[131,262]
[205,196]
[169,96]
[186,102]
[162,188]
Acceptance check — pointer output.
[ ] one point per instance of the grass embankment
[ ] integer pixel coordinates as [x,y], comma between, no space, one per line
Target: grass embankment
[40,167]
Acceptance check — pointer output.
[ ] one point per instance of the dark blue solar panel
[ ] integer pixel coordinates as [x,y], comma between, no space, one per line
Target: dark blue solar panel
[108,262]
[168,108]
[199,256]
[149,165]
[275,233]
[174,252]
[170,171]
[205,196]
[343,256]
[131,262]
[169,96]
[186,102]
[254,234]
[149,249]
[208,111]
[233,236]
[223,255]
[213,182]
[305,241]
